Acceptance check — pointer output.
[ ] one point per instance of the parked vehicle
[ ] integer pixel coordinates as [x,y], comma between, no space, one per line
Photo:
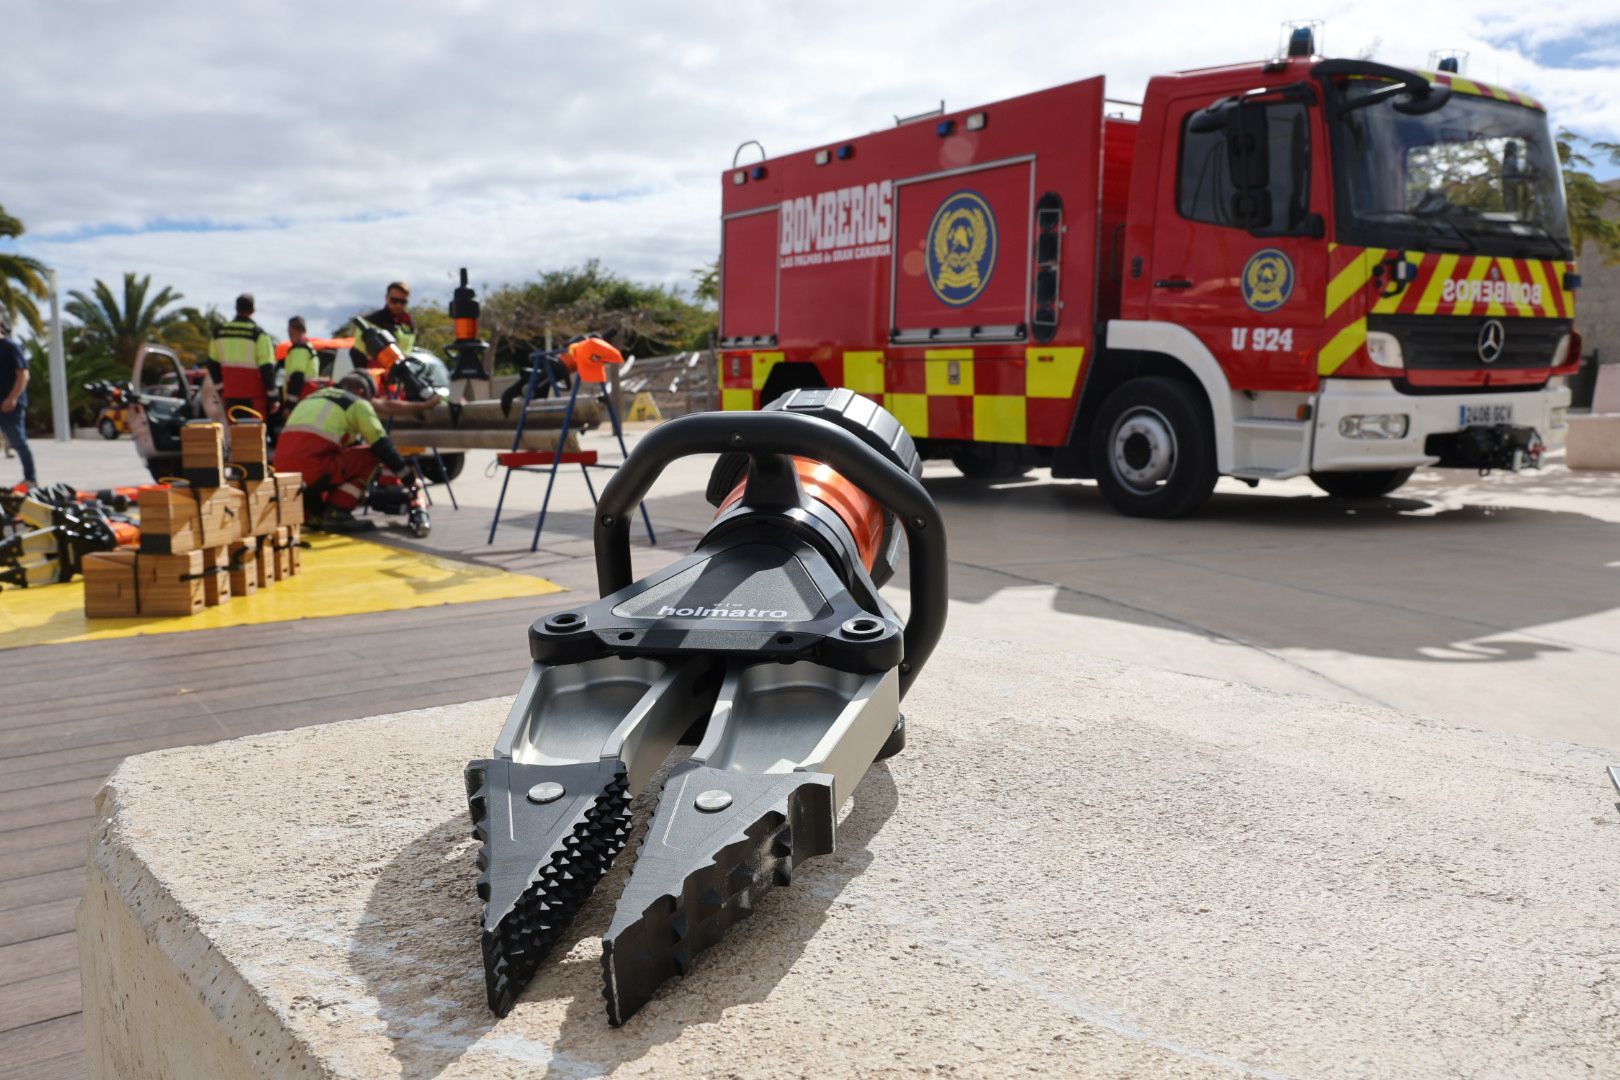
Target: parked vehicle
[1332,268]
[113,421]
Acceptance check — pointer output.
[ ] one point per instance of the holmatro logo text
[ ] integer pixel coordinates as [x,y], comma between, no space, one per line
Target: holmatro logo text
[720,613]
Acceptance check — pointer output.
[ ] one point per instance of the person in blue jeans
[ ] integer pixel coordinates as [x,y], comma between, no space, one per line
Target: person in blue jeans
[14,398]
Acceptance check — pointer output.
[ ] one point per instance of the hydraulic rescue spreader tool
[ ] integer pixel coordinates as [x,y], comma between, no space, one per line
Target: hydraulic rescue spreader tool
[768,647]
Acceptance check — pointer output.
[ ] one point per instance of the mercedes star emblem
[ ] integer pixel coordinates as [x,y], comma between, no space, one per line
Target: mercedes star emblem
[1491,338]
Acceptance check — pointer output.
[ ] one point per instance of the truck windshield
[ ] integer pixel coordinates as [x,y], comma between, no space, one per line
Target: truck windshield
[1477,175]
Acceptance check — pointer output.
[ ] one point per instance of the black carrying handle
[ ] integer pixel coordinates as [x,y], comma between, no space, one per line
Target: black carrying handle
[800,436]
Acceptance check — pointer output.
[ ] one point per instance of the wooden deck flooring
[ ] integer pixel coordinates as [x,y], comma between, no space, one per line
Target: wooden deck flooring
[71,713]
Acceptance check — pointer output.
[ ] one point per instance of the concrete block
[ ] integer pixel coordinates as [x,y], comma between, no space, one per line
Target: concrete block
[1606,391]
[1594,441]
[1076,868]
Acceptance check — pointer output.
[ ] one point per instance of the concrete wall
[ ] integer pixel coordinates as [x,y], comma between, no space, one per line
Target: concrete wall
[1598,303]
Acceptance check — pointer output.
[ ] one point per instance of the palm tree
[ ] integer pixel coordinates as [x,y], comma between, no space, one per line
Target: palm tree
[118,329]
[1592,203]
[22,279]
[192,331]
[80,367]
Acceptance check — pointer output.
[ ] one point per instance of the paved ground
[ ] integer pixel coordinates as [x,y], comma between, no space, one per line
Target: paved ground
[1488,602]
[1493,602]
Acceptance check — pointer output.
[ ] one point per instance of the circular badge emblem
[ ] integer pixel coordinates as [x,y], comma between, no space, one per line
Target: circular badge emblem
[1268,280]
[961,248]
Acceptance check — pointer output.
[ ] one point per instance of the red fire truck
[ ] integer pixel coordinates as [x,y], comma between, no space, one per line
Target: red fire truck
[1332,268]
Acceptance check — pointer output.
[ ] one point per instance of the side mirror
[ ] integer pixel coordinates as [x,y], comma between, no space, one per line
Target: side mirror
[1248,156]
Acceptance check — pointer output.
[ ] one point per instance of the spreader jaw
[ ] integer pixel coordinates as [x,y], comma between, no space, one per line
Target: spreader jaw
[553,808]
[784,749]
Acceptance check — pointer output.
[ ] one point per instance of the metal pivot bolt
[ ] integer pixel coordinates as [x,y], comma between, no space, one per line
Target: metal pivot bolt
[544,793]
[862,628]
[713,801]
[565,622]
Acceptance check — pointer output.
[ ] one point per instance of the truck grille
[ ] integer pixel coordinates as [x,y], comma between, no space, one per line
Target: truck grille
[1451,343]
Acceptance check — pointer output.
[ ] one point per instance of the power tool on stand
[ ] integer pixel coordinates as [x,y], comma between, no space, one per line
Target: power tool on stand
[768,647]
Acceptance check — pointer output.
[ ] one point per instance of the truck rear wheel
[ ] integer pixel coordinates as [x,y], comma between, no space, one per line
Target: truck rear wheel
[1153,449]
[1361,485]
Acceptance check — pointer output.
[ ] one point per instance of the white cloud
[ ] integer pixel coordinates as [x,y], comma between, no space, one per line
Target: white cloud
[359,142]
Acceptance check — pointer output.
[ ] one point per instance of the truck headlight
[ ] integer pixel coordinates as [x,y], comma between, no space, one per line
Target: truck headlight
[1384,350]
[1561,354]
[1375,426]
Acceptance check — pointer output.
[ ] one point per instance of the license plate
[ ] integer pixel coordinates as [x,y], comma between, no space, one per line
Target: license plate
[1484,414]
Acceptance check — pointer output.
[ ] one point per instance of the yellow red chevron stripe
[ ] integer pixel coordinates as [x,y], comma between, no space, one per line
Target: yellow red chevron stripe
[1360,282]
[1445,285]
[1460,85]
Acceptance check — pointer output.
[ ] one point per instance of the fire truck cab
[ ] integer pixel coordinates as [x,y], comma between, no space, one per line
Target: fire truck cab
[1331,268]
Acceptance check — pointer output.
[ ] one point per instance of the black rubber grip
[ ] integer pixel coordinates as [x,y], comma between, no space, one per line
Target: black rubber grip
[797,435]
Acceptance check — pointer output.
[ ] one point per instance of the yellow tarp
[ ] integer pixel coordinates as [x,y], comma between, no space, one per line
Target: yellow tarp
[341,576]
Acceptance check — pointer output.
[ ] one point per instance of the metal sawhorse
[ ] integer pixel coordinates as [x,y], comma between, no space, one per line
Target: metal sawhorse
[517,460]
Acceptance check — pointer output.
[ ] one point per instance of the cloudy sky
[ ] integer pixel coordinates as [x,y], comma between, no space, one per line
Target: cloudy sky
[312,151]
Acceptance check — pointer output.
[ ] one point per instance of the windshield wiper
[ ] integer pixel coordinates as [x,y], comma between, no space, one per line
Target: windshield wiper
[1515,230]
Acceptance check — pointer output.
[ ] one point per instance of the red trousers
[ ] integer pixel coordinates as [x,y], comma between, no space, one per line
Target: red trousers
[244,387]
[339,473]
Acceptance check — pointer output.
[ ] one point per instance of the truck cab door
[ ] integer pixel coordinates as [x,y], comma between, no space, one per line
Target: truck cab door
[1237,255]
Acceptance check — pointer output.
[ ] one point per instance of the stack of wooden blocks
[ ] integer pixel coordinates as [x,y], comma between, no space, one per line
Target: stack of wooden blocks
[272,512]
[202,542]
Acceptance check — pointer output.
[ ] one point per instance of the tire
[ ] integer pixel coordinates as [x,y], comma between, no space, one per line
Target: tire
[163,467]
[108,429]
[453,464]
[982,466]
[1371,484]
[1153,448]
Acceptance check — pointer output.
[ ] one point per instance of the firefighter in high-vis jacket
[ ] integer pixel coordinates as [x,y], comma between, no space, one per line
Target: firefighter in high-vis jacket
[242,360]
[336,440]
[301,364]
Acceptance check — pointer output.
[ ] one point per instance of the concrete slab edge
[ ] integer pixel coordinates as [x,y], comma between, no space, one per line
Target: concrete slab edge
[158,997]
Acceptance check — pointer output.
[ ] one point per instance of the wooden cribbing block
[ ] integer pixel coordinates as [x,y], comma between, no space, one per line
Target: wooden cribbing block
[289,498]
[244,567]
[170,584]
[259,509]
[280,552]
[202,454]
[109,585]
[264,561]
[176,520]
[216,575]
[248,452]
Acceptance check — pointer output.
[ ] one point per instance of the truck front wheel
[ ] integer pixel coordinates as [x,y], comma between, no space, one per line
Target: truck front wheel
[1361,485]
[1153,449]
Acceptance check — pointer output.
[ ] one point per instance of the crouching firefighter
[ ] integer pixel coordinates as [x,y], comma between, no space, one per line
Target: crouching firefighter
[336,440]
